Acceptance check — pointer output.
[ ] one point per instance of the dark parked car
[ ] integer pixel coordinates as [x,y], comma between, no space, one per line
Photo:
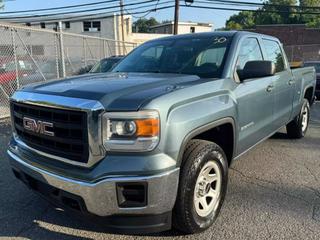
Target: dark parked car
[316,65]
[106,64]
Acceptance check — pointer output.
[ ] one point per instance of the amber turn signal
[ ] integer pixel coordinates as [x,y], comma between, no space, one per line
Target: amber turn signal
[147,127]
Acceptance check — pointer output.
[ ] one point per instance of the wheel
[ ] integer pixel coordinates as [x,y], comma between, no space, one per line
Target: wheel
[202,187]
[298,127]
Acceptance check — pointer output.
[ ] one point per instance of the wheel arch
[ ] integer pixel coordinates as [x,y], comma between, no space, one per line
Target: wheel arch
[227,125]
[309,94]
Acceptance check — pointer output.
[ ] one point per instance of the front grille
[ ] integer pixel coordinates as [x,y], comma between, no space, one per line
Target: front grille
[70,138]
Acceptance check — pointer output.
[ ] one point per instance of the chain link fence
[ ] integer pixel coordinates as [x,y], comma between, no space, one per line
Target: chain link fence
[29,55]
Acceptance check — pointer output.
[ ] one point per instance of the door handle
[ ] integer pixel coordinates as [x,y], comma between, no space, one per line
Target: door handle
[269,88]
[291,81]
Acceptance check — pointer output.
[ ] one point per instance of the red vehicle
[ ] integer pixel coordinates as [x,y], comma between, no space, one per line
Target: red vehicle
[9,72]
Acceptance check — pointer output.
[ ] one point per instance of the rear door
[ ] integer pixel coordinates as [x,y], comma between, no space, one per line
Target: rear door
[255,100]
[283,83]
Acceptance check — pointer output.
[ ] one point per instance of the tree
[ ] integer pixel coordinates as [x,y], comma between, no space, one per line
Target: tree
[281,17]
[243,20]
[310,20]
[269,14]
[143,25]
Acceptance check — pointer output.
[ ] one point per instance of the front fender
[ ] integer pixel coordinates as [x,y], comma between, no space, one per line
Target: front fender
[188,120]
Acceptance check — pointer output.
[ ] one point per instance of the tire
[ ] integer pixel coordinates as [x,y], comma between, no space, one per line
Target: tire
[298,127]
[201,158]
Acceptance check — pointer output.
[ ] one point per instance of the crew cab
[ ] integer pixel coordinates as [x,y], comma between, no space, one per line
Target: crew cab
[148,145]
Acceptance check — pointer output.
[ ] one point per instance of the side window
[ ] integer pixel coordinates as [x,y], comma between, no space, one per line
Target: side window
[274,54]
[249,51]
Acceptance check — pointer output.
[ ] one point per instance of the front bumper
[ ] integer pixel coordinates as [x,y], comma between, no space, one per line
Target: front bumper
[99,197]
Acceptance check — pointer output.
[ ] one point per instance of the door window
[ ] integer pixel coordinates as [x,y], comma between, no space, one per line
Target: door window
[249,51]
[274,54]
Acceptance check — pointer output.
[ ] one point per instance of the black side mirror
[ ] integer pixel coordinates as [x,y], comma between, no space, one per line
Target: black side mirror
[258,69]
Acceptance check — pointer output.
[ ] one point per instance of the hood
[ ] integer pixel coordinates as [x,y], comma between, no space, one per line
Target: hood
[117,91]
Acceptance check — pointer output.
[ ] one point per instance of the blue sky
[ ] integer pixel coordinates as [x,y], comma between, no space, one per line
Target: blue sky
[216,17]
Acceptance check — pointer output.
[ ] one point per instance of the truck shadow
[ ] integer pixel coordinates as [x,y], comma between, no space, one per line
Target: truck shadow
[279,135]
[247,194]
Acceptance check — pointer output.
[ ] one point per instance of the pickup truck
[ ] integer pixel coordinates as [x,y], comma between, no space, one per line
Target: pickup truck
[148,145]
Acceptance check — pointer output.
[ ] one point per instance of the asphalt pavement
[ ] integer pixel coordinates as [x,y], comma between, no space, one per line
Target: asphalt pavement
[274,193]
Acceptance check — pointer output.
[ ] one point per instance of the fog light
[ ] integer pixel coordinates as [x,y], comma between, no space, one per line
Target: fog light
[132,194]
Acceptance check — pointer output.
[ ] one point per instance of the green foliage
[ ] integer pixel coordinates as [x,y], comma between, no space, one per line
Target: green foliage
[276,15]
[311,20]
[281,17]
[243,20]
[143,25]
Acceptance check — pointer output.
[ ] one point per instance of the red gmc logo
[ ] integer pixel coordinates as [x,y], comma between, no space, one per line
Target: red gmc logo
[40,127]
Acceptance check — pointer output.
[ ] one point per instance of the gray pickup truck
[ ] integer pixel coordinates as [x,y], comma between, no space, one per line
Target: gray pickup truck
[148,146]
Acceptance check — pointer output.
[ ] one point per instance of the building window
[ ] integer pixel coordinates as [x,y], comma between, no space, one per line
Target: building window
[93,26]
[67,25]
[36,50]
[28,24]
[55,26]
[192,29]
[42,25]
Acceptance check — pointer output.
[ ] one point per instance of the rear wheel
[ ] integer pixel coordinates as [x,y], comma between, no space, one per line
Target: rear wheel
[202,187]
[298,127]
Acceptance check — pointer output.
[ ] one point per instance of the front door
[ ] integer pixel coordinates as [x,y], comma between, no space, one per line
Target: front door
[255,99]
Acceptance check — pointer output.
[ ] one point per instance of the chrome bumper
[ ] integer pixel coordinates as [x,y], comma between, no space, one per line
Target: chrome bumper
[100,197]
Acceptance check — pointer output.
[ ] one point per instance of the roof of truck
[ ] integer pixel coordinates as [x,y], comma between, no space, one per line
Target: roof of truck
[214,33]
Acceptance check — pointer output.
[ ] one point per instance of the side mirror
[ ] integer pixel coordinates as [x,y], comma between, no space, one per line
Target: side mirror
[258,69]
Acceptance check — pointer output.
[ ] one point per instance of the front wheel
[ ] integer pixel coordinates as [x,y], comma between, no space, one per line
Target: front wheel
[202,187]
[298,127]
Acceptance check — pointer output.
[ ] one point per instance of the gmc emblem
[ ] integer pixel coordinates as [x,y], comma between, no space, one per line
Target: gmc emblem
[40,127]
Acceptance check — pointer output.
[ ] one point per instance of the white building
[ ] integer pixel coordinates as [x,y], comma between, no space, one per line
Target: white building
[183,27]
[99,25]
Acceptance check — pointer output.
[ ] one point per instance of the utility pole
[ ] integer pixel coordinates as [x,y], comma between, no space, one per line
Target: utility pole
[122,24]
[176,17]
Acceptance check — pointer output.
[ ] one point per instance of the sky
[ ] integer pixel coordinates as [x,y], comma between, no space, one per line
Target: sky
[218,18]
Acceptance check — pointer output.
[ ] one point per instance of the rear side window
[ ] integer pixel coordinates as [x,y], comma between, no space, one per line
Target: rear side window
[249,51]
[274,54]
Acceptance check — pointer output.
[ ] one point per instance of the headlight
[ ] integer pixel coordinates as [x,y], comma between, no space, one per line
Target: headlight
[131,131]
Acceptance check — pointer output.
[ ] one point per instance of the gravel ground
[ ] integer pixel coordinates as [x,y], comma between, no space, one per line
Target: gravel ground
[274,193]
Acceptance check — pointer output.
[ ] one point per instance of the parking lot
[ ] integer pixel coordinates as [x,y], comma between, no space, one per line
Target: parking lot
[274,193]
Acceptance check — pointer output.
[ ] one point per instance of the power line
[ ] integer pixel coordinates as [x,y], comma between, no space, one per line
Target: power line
[97,16]
[79,11]
[152,10]
[58,8]
[255,4]
[250,10]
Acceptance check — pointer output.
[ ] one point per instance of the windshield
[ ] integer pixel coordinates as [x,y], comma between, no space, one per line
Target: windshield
[20,66]
[104,65]
[315,65]
[49,67]
[196,56]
